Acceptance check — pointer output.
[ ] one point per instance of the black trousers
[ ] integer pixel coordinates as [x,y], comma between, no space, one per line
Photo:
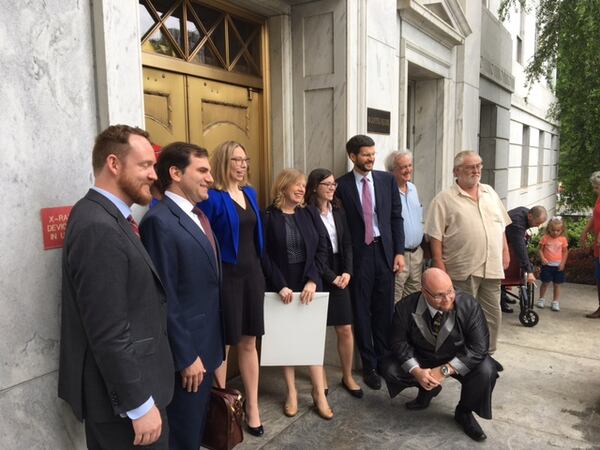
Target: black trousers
[477,385]
[119,435]
[372,292]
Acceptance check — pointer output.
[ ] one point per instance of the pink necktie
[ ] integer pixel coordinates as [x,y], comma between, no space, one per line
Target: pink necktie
[134,226]
[367,207]
[206,227]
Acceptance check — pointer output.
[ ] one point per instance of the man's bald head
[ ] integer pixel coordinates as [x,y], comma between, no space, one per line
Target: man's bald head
[437,289]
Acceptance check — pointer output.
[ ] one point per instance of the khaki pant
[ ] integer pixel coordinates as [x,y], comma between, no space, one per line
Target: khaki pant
[487,293]
[409,280]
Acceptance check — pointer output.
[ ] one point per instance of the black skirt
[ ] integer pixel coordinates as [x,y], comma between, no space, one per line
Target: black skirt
[340,307]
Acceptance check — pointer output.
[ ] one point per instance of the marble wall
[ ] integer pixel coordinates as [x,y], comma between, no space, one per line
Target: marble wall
[319,85]
[48,122]
[382,72]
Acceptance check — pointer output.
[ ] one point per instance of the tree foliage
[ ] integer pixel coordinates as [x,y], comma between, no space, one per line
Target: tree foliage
[569,43]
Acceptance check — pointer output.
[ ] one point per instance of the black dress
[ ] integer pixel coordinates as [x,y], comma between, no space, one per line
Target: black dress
[243,287]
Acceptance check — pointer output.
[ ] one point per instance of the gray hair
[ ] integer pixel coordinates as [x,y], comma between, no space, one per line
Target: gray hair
[459,159]
[595,179]
[390,161]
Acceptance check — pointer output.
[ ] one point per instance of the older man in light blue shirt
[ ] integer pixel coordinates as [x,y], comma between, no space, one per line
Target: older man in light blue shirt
[400,164]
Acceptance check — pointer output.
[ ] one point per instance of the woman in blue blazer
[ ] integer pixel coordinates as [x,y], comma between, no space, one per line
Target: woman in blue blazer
[233,212]
[295,252]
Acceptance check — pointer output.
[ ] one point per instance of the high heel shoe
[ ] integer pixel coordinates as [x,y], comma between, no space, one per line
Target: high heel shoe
[254,431]
[290,410]
[324,413]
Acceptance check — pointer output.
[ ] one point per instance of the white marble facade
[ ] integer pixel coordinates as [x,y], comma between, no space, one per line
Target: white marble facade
[48,123]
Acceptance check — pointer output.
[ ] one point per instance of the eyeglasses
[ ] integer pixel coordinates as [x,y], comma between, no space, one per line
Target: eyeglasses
[329,185]
[241,161]
[442,296]
[473,167]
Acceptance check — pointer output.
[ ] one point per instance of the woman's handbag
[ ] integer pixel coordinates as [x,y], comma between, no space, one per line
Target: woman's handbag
[223,429]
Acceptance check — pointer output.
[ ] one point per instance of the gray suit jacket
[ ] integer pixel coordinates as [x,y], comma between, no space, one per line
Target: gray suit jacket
[114,351]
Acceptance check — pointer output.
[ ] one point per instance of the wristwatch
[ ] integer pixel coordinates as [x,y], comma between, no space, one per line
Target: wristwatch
[445,370]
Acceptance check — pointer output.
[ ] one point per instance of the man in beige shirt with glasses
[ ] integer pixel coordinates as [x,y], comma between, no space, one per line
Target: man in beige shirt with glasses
[465,224]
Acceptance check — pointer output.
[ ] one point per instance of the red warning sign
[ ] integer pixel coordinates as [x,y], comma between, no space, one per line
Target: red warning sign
[54,226]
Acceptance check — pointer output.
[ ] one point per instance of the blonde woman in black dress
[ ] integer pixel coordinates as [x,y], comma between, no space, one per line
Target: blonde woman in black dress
[232,209]
[295,249]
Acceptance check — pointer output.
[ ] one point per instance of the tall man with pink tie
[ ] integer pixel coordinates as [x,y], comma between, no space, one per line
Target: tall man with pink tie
[374,213]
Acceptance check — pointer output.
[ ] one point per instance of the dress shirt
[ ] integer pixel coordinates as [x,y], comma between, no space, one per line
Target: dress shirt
[329,222]
[141,410]
[359,186]
[120,204]
[186,207]
[412,213]
[471,232]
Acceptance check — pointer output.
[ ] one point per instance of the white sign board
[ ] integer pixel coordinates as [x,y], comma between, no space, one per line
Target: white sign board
[294,333]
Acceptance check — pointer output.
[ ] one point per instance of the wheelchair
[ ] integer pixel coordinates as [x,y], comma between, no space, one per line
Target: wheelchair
[515,277]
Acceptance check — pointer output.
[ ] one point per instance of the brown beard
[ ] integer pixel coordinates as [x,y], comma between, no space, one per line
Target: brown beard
[135,190]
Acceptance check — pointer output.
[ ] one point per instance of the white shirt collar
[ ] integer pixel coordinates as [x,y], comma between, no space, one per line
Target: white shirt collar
[432,310]
[358,177]
[183,203]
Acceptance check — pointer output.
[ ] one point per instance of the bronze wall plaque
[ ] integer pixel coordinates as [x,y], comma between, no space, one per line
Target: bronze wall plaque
[378,121]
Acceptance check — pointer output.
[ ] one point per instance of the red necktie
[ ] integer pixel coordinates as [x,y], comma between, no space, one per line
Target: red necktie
[367,207]
[206,227]
[134,226]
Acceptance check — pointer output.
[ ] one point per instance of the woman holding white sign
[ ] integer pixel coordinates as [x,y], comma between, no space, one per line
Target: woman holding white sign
[295,249]
[337,272]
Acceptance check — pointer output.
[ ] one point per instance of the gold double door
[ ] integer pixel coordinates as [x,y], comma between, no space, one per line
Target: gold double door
[204,112]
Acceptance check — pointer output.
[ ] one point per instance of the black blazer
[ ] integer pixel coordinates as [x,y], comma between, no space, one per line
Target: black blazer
[388,208]
[344,245]
[114,351]
[191,275]
[464,333]
[275,254]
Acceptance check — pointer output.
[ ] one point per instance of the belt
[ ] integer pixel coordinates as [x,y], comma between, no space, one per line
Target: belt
[411,250]
[375,240]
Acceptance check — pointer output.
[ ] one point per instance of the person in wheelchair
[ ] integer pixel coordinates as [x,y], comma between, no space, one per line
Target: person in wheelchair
[516,235]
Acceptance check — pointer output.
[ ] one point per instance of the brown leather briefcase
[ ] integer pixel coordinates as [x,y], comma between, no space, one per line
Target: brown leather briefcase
[223,429]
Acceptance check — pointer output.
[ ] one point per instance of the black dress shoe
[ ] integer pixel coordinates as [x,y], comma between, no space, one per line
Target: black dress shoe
[372,379]
[469,425]
[499,367]
[255,431]
[358,393]
[506,308]
[423,399]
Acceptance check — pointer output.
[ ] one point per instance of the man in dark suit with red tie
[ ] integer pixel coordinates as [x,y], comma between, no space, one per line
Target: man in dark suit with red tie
[374,211]
[180,241]
[116,369]
[439,333]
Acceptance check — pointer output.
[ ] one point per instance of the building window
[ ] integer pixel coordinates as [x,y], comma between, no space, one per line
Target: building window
[525,157]
[520,36]
[541,149]
[199,34]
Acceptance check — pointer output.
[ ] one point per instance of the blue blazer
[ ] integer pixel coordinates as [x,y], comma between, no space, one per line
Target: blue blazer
[225,222]
[191,275]
[388,208]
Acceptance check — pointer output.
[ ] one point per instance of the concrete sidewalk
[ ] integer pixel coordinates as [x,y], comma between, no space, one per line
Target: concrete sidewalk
[547,397]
